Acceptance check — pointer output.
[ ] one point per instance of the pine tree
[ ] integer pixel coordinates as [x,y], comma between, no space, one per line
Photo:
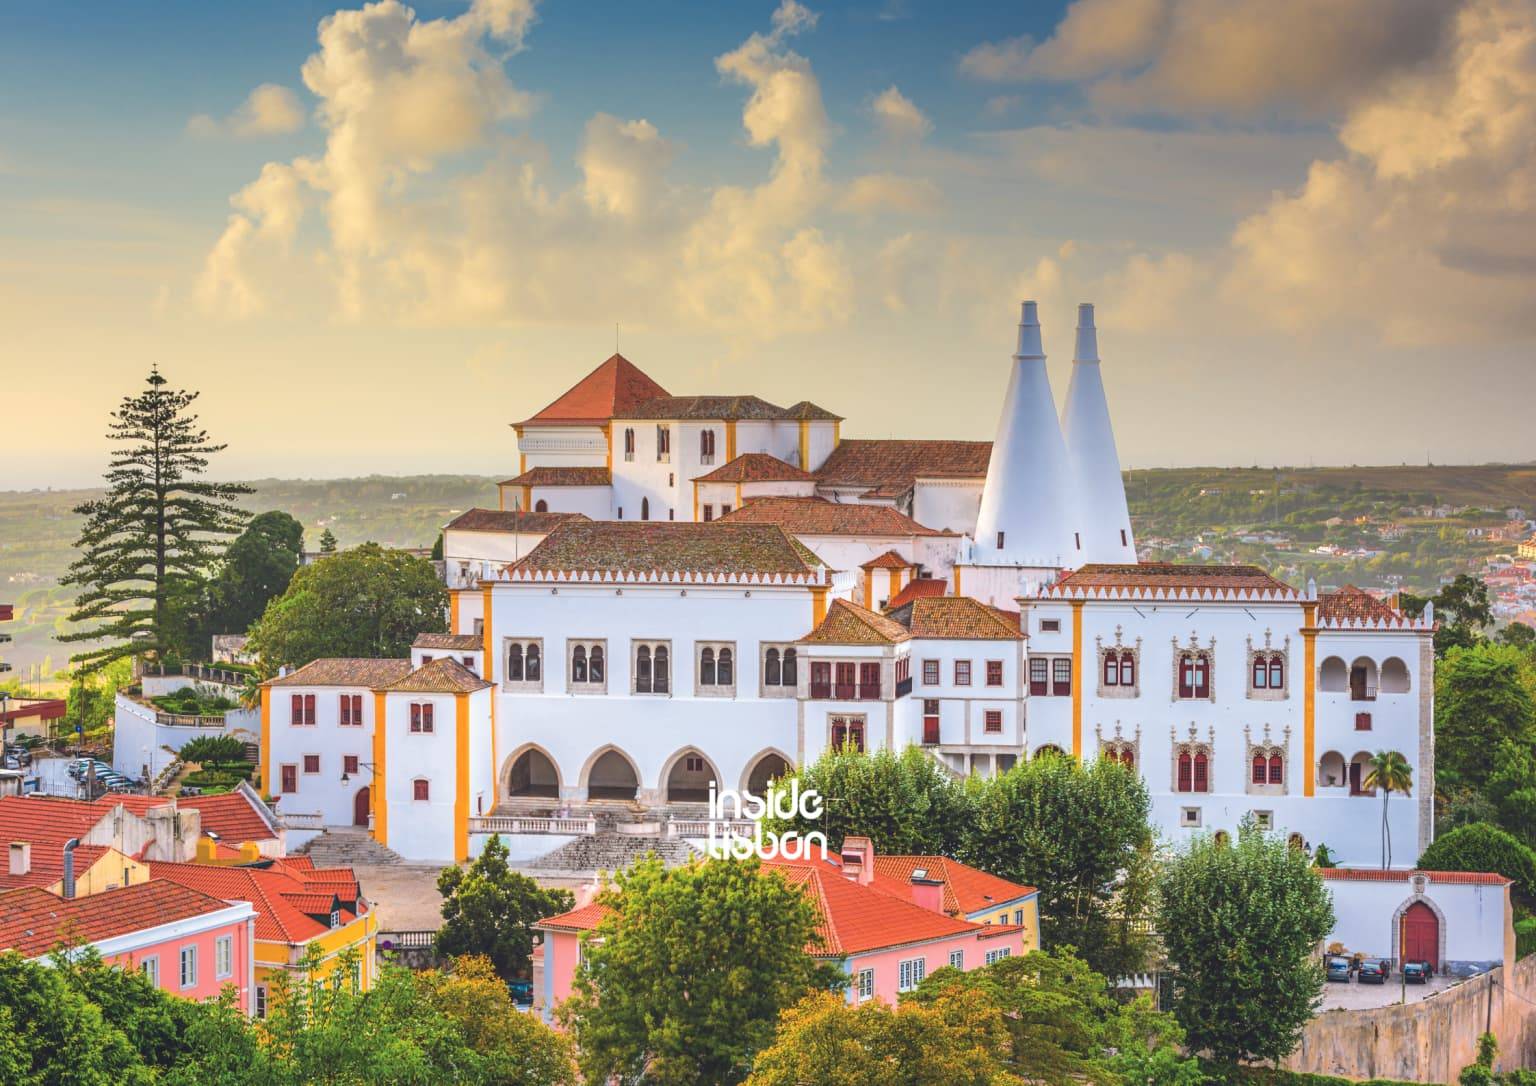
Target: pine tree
[327,542]
[147,544]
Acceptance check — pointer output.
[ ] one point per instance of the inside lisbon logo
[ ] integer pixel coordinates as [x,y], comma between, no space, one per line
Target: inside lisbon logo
[730,840]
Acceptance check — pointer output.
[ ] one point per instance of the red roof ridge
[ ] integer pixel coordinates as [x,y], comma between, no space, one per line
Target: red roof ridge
[615,387]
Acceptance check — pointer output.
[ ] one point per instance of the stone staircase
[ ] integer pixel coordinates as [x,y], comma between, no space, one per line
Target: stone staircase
[606,851]
[348,848]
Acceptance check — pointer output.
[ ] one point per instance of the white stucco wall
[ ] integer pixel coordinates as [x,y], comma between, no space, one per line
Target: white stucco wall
[951,504]
[1474,919]
[321,792]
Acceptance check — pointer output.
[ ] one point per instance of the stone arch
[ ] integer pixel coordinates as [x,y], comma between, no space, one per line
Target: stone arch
[1394,676]
[610,773]
[1397,927]
[1332,770]
[1333,676]
[1048,748]
[763,767]
[679,785]
[1364,679]
[531,770]
[1221,838]
[1364,759]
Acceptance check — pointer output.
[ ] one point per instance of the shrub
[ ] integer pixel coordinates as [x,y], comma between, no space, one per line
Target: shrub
[210,749]
[1481,847]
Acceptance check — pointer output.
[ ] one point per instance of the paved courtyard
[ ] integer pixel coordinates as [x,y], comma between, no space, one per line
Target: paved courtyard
[1354,996]
[406,897]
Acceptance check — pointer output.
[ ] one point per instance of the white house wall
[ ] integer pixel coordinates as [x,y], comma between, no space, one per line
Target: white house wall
[1474,920]
[949,504]
[321,792]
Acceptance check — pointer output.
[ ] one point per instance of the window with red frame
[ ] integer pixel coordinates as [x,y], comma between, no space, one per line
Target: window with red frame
[869,681]
[962,673]
[351,710]
[1039,676]
[1194,675]
[421,716]
[821,679]
[1276,769]
[844,685]
[847,734]
[930,721]
[1061,677]
[304,710]
[930,673]
[421,789]
[349,764]
[994,673]
[993,721]
[290,778]
[311,763]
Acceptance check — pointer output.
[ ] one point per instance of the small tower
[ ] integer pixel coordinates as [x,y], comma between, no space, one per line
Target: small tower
[1104,522]
[1027,510]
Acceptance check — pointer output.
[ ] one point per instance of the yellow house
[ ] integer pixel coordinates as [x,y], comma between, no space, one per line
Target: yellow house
[967,892]
[99,868]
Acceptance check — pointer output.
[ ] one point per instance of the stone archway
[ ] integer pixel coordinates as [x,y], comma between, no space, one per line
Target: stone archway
[1411,914]
[688,776]
[767,766]
[532,773]
[611,774]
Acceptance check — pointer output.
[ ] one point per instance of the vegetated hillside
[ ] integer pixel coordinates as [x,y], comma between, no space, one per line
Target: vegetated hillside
[38,530]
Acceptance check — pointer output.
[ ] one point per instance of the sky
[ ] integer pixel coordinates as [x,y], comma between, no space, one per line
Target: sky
[373,236]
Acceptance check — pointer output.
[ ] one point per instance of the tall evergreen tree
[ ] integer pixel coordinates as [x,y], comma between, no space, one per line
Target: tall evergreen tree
[147,544]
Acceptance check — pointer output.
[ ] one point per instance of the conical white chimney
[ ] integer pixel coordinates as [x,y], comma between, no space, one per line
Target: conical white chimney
[1026,513]
[1104,521]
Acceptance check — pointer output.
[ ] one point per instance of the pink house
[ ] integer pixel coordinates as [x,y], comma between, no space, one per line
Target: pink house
[886,934]
[188,943]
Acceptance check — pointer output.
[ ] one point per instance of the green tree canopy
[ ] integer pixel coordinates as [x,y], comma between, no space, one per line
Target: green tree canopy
[902,802]
[1074,831]
[1481,847]
[1511,789]
[1462,609]
[1483,696]
[368,601]
[681,984]
[490,910]
[1519,635]
[149,541]
[256,569]
[327,542]
[1241,924]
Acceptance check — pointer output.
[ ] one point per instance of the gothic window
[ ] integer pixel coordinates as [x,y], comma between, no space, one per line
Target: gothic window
[1266,764]
[716,669]
[847,733]
[1118,668]
[650,667]
[587,673]
[1267,668]
[773,674]
[523,660]
[1192,767]
[707,447]
[1194,667]
[629,443]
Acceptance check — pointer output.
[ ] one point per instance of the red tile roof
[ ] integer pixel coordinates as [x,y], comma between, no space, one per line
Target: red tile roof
[645,548]
[888,560]
[278,919]
[346,671]
[817,516]
[892,467]
[1351,604]
[46,823]
[34,922]
[233,816]
[1170,580]
[583,918]
[449,642]
[954,618]
[966,889]
[615,388]
[1365,874]
[756,467]
[28,708]
[509,520]
[915,588]
[444,675]
[849,624]
[562,476]
[709,408]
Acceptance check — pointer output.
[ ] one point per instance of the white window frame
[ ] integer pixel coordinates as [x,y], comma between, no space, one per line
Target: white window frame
[910,973]
[652,644]
[715,690]
[995,956]
[150,967]
[588,644]
[524,686]
[260,1006]
[864,984]
[188,954]
[224,957]
[957,959]
[780,689]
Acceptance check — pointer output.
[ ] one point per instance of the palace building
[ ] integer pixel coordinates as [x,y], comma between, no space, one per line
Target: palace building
[677,590]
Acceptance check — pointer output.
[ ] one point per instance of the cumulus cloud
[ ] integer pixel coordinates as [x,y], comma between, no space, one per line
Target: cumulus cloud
[1223,57]
[623,163]
[269,110]
[877,192]
[898,116]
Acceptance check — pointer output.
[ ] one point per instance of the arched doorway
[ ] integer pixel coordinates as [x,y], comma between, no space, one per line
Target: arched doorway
[362,803]
[770,767]
[689,779]
[1421,935]
[533,774]
[612,777]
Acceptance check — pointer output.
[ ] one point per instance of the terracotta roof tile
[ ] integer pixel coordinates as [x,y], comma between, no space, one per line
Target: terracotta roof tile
[966,889]
[915,588]
[1171,579]
[723,408]
[651,547]
[509,520]
[46,823]
[277,918]
[449,642]
[233,816]
[1351,604]
[613,389]
[370,673]
[1363,874]
[755,467]
[33,922]
[817,516]
[954,618]
[888,560]
[805,409]
[562,476]
[313,902]
[892,467]
[584,918]
[34,708]
[849,624]
[444,675]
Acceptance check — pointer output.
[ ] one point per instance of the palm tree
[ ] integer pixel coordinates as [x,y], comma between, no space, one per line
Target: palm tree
[1390,772]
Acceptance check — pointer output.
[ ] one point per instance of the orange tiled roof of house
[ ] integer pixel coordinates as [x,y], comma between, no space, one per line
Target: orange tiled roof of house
[582,918]
[278,919]
[46,823]
[1171,579]
[711,408]
[509,520]
[613,389]
[666,547]
[849,624]
[756,467]
[805,409]
[954,618]
[1351,604]
[892,467]
[232,816]
[444,675]
[449,642]
[888,560]
[34,922]
[562,476]
[916,588]
[1371,874]
[344,671]
[817,516]
[966,889]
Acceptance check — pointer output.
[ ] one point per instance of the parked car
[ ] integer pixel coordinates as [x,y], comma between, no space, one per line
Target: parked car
[522,992]
[1417,972]
[1375,971]
[1339,969]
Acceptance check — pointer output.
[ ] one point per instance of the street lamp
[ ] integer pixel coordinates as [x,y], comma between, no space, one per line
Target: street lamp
[345,776]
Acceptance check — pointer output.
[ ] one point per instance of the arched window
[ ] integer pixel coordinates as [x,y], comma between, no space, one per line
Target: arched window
[725,677]
[596,667]
[1128,757]
[1276,769]
[1223,838]
[1111,669]
[579,664]
[773,670]
[629,443]
[1260,769]
[1260,673]
[1277,672]
[660,680]
[1186,772]
[533,664]
[421,790]
[707,446]
[541,506]
[515,663]
[1127,668]
[645,508]
[1296,841]
[707,667]
[1194,675]
[791,671]
[643,669]
[1202,772]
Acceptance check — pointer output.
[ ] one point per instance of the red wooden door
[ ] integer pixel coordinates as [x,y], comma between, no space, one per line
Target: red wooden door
[1421,935]
[360,805]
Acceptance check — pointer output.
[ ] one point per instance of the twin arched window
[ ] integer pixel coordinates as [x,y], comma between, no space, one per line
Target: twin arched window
[1267,769]
[645,508]
[781,669]
[651,669]
[523,662]
[717,668]
[1194,771]
[707,447]
[1268,671]
[587,664]
[1119,667]
[1194,675]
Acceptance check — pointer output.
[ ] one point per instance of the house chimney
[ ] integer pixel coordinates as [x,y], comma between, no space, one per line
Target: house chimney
[926,892]
[21,858]
[69,867]
[858,860]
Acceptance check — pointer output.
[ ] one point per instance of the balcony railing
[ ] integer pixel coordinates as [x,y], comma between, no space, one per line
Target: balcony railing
[515,824]
[406,940]
[701,827]
[302,820]
[850,691]
[903,687]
